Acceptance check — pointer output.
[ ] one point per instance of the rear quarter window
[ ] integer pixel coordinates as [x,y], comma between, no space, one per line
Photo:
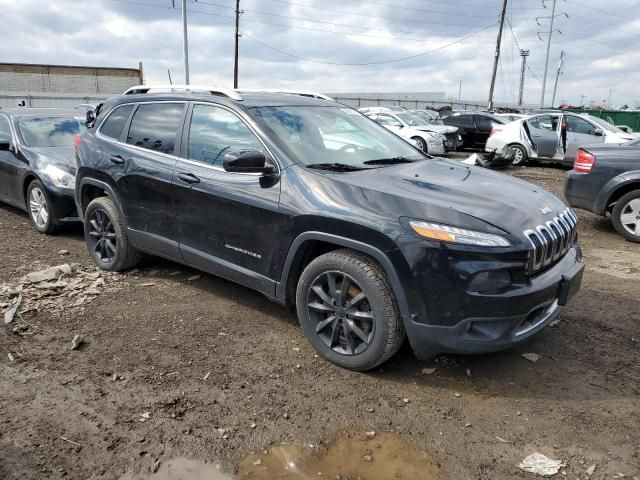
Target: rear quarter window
[113,125]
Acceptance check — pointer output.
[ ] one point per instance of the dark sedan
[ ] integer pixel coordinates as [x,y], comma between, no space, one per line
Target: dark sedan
[474,127]
[605,180]
[37,164]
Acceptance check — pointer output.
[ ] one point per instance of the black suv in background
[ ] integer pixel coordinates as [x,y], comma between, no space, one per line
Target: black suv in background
[311,203]
[475,128]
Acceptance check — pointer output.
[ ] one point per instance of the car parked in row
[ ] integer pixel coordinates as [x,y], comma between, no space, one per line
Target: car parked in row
[553,136]
[452,139]
[474,127]
[37,163]
[605,180]
[410,127]
[312,204]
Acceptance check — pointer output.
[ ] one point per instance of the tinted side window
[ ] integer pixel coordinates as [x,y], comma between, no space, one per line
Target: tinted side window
[459,120]
[5,128]
[155,126]
[113,125]
[215,132]
[483,123]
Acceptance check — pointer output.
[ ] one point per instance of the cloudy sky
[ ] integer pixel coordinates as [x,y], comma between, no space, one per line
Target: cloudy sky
[338,46]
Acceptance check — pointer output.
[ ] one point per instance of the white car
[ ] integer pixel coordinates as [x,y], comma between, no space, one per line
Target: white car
[511,117]
[411,128]
[553,136]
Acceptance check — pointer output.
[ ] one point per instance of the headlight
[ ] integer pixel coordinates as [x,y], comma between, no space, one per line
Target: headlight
[446,233]
[437,136]
[58,177]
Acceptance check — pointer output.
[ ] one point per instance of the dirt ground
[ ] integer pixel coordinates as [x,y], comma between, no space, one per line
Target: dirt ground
[174,366]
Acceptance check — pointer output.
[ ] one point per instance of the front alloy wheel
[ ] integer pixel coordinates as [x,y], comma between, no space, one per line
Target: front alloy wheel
[38,207]
[341,313]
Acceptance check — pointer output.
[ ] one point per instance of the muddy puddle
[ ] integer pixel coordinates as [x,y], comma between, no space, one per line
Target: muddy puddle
[353,455]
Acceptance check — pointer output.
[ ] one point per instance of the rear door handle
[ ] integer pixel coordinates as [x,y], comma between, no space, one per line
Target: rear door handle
[117,159]
[189,178]
[536,135]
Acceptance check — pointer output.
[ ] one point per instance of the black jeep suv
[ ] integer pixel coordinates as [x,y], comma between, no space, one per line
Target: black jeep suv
[311,203]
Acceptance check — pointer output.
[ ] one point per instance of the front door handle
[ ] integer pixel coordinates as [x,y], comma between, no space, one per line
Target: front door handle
[117,159]
[536,135]
[189,178]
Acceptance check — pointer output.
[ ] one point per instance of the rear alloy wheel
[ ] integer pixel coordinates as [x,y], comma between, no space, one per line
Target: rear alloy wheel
[347,310]
[420,143]
[520,156]
[626,216]
[40,208]
[106,237]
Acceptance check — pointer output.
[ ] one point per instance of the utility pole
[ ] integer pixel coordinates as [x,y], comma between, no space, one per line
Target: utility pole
[610,93]
[546,63]
[185,42]
[497,56]
[235,64]
[524,54]
[460,90]
[558,73]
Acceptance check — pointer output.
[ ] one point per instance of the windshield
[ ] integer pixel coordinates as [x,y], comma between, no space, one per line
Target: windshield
[315,135]
[411,119]
[606,125]
[50,131]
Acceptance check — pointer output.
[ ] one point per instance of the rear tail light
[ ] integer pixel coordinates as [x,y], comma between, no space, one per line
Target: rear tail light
[494,131]
[76,141]
[584,161]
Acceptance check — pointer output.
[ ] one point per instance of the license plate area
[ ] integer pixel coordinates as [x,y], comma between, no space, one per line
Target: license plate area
[569,286]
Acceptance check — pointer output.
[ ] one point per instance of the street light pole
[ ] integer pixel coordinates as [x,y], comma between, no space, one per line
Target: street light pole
[185,42]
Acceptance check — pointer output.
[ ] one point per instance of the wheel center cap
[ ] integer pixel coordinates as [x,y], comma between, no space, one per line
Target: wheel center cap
[341,312]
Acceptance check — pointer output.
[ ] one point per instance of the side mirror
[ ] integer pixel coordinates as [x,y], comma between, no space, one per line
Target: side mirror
[5,145]
[248,161]
[598,132]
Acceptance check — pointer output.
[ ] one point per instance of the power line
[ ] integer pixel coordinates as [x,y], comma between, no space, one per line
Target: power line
[367,63]
[325,22]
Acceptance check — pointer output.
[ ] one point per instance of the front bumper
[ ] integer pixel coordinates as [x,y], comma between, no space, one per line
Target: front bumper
[453,141]
[500,321]
[436,147]
[63,205]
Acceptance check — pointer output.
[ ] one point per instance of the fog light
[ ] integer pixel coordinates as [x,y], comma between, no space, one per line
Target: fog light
[490,282]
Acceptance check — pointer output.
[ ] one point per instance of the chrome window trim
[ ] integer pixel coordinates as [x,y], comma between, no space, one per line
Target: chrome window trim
[100,136]
[99,133]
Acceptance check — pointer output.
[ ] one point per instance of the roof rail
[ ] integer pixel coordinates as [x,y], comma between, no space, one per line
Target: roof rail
[303,93]
[142,89]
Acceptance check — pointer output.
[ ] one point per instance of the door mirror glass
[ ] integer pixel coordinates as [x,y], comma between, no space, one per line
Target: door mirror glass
[5,144]
[246,161]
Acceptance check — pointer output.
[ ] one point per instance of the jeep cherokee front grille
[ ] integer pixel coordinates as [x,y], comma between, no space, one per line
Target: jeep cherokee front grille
[551,240]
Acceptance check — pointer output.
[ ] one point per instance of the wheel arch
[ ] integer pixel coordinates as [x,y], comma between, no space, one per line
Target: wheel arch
[29,177]
[310,245]
[90,189]
[614,189]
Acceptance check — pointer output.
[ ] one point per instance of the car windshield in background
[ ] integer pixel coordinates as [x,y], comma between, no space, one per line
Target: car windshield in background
[411,119]
[606,125]
[50,131]
[315,135]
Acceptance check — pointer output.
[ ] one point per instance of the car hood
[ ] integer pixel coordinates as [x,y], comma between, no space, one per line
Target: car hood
[435,187]
[61,157]
[442,129]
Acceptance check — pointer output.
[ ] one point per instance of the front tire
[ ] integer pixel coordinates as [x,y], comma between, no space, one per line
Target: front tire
[626,216]
[106,236]
[39,208]
[420,143]
[520,155]
[348,311]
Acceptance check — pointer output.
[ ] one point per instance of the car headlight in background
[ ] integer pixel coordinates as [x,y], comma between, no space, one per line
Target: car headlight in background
[446,233]
[58,176]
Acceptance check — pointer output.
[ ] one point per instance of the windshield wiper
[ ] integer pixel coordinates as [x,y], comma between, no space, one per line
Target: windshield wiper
[335,166]
[389,161]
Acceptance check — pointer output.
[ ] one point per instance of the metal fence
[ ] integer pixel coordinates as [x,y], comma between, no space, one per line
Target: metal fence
[418,104]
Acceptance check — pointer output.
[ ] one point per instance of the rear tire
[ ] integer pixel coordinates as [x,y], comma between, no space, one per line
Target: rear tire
[39,208]
[520,156]
[106,236]
[626,216]
[347,310]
